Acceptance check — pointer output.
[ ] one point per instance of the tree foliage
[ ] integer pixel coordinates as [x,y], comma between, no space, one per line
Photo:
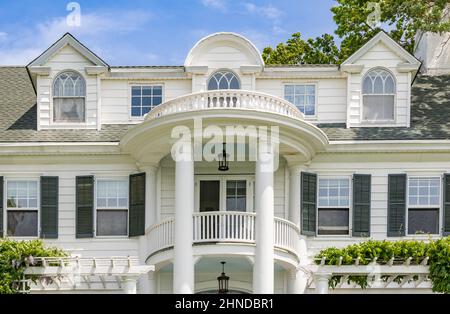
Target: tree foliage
[401,19]
[16,256]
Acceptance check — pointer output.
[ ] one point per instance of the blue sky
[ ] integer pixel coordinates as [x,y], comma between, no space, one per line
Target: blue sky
[153,32]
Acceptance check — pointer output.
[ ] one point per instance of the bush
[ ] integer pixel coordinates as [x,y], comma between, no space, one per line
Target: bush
[437,251]
[16,256]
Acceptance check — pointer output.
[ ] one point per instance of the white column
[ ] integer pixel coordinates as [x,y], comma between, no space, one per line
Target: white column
[183,272]
[145,283]
[263,271]
[129,285]
[294,194]
[321,282]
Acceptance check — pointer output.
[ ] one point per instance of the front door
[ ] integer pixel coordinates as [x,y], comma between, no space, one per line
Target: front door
[209,196]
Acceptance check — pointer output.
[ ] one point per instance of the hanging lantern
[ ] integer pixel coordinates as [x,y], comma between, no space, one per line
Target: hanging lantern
[223,159]
[223,281]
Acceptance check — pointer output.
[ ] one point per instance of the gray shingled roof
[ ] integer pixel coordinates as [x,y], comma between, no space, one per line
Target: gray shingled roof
[430,116]
[18,116]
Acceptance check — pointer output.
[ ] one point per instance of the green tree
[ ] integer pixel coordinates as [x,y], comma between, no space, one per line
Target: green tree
[321,50]
[401,19]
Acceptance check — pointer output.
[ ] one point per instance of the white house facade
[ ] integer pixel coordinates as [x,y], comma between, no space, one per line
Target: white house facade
[355,151]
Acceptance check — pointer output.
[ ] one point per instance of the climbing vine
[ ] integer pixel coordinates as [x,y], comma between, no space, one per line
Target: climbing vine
[16,256]
[437,251]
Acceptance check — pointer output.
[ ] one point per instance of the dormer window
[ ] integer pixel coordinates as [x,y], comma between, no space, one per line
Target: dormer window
[379,92]
[224,80]
[69,98]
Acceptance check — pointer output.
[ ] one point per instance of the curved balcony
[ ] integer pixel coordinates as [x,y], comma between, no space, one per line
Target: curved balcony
[223,227]
[227,99]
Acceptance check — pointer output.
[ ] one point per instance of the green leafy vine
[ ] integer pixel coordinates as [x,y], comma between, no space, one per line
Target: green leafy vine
[16,256]
[397,252]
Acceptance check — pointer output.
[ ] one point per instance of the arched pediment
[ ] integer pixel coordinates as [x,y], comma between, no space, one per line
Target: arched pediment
[224,50]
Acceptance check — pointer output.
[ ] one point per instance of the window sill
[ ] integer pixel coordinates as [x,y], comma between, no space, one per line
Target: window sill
[112,237]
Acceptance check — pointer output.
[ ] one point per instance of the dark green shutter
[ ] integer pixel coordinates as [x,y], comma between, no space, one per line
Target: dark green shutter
[49,207]
[396,205]
[361,205]
[309,203]
[137,205]
[2,201]
[446,216]
[85,207]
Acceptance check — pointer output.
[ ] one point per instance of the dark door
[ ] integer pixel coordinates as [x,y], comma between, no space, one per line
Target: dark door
[209,202]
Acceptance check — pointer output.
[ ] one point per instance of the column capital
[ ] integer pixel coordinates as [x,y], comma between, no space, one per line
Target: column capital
[297,168]
[148,167]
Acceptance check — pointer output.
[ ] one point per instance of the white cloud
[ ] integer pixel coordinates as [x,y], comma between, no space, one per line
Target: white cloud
[215,4]
[267,11]
[23,45]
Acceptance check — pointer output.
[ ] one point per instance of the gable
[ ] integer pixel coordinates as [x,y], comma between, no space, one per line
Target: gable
[380,53]
[223,54]
[68,58]
[382,45]
[67,40]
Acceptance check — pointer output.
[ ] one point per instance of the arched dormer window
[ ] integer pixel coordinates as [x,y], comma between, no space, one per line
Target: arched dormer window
[379,92]
[223,80]
[69,98]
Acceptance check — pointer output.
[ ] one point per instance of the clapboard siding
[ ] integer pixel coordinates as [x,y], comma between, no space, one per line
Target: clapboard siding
[331,96]
[95,247]
[66,59]
[379,56]
[168,187]
[116,97]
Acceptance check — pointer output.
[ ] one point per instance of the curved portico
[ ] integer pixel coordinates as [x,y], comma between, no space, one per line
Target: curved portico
[186,125]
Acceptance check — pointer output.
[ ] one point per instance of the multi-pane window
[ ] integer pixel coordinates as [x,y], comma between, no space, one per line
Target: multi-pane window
[144,99]
[423,206]
[22,208]
[378,96]
[237,195]
[112,208]
[69,97]
[223,80]
[334,205]
[302,96]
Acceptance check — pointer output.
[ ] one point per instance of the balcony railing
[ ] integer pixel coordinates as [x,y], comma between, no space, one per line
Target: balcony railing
[236,227]
[227,99]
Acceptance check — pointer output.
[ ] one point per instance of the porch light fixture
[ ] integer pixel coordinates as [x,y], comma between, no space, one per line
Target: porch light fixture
[223,159]
[223,281]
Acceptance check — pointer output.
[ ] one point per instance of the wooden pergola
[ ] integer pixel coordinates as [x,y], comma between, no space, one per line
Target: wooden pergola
[91,274]
[393,274]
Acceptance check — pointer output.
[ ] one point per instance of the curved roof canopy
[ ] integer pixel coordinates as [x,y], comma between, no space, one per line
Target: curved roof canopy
[237,42]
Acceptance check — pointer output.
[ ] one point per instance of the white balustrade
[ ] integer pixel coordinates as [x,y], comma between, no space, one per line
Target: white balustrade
[286,235]
[226,99]
[224,227]
[161,235]
[237,227]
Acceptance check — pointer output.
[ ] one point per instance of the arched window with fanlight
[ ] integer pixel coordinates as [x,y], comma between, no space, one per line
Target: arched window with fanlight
[379,92]
[69,98]
[223,80]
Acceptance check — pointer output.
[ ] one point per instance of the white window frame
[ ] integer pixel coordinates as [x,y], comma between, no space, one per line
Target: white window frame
[439,207]
[350,206]
[316,88]
[7,209]
[108,179]
[52,103]
[223,190]
[130,97]
[379,123]
[219,71]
